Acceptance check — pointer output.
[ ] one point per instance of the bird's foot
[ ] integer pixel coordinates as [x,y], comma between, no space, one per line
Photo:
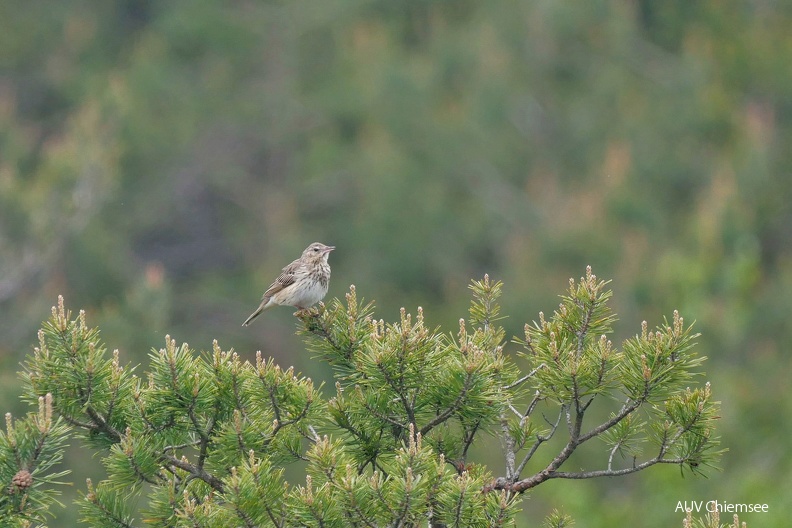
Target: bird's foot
[312,311]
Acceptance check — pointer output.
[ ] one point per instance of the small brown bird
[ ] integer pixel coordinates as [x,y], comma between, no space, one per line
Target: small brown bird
[301,284]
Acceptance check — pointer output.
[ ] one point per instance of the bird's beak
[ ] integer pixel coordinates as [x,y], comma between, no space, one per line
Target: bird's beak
[328,249]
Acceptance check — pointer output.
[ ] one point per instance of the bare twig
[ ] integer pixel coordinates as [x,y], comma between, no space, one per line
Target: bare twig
[516,412]
[536,399]
[524,378]
[613,452]
[508,448]
[540,439]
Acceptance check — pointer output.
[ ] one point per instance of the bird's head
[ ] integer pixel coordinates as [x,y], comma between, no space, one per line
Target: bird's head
[317,251]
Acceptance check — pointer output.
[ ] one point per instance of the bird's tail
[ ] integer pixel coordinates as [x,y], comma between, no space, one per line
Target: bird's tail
[263,306]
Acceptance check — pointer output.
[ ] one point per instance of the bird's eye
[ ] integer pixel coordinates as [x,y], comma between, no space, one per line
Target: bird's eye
[316,249]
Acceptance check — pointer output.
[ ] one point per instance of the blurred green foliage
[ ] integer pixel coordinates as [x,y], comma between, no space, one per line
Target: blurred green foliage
[161,161]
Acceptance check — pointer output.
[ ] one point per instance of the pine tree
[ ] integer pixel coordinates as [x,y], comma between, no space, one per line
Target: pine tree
[205,437]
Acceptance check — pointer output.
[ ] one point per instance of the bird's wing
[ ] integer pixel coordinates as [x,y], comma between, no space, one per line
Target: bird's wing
[284,279]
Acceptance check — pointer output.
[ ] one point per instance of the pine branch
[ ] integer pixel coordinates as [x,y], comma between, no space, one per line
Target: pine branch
[195,471]
[446,414]
[210,433]
[626,410]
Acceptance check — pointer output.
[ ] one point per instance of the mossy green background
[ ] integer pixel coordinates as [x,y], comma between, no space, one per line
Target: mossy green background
[161,161]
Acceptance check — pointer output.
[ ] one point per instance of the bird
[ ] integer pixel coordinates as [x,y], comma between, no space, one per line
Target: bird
[301,284]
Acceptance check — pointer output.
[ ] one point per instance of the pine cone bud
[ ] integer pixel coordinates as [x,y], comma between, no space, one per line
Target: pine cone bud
[22,480]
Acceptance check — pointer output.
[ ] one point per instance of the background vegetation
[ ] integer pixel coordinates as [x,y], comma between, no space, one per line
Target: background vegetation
[161,161]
